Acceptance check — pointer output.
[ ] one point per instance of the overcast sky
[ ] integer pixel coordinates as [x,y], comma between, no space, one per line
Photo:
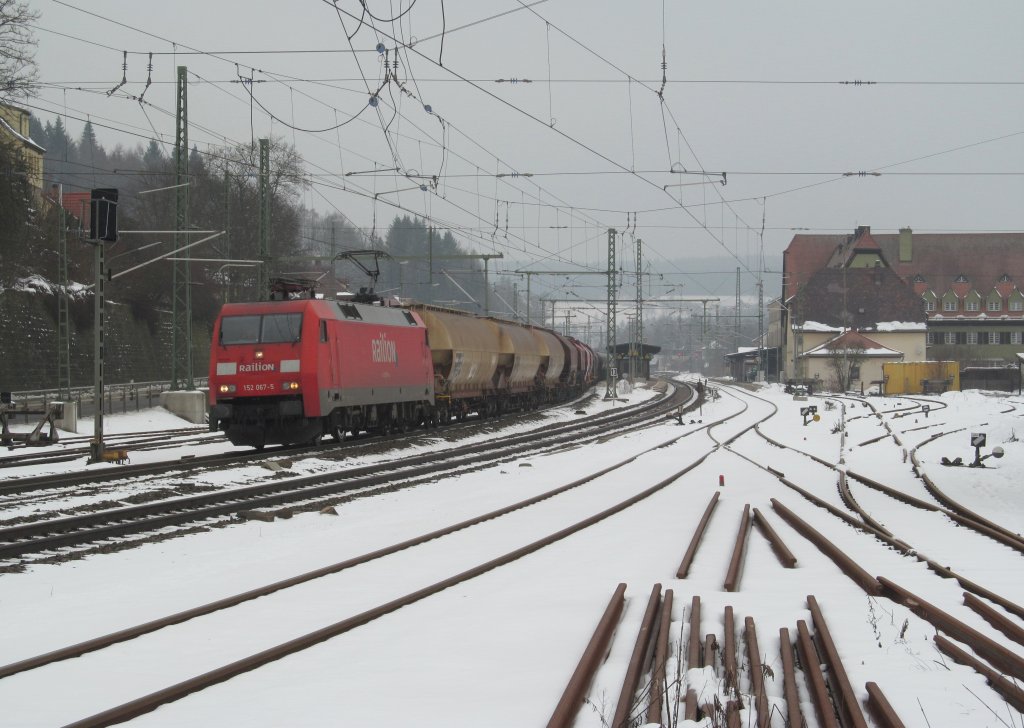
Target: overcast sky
[762,91]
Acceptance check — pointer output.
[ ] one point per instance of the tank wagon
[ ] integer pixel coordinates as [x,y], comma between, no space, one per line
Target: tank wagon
[292,371]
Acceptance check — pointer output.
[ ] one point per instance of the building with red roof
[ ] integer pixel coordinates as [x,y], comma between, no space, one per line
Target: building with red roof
[964,287]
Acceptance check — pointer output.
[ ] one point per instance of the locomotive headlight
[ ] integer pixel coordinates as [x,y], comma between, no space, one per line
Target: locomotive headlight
[226,388]
[258,354]
[290,386]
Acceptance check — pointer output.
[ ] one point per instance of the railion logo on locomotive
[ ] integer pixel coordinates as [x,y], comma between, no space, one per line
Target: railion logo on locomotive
[383,350]
[256,366]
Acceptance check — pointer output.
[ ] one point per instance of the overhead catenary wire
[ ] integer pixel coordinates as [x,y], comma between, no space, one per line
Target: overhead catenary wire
[577,208]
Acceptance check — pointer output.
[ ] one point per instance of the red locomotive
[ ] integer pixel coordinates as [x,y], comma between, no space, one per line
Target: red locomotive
[290,371]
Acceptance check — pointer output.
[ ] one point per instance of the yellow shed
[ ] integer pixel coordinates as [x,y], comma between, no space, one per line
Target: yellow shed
[921,377]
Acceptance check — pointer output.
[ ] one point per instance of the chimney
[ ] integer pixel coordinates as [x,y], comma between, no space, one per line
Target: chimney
[906,245]
[861,230]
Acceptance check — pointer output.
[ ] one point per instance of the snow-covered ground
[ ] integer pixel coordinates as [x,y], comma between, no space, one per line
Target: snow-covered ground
[499,649]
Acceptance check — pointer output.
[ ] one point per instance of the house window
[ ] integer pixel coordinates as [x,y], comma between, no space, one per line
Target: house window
[993,337]
[1017,304]
[949,304]
[972,337]
[949,337]
[929,305]
[1015,337]
[933,338]
[971,305]
[995,304]
[855,372]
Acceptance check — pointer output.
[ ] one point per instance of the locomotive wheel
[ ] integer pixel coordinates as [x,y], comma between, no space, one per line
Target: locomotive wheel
[338,432]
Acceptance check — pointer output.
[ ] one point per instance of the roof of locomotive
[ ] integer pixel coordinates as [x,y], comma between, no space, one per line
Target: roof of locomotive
[328,309]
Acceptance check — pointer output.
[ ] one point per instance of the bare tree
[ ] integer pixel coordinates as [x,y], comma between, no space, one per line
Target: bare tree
[287,177]
[844,359]
[18,71]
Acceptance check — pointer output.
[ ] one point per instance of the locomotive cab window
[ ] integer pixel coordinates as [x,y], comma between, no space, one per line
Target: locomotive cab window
[279,328]
[269,329]
[240,329]
[409,318]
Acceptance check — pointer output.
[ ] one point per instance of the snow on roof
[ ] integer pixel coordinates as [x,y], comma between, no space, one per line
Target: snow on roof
[817,326]
[824,351]
[855,343]
[889,326]
[20,137]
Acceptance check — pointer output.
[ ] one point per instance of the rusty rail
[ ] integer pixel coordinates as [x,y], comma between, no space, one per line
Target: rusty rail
[904,548]
[815,682]
[698,534]
[690,705]
[847,497]
[694,644]
[997,654]
[793,717]
[784,555]
[661,653]
[710,645]
[863,579]
[756,675]
[879,707]
[729,652]
[1008,627]
[1010,606]
[732,576]
[1010,692]
[565,711]
[966,516]
[848,704]
[627,697]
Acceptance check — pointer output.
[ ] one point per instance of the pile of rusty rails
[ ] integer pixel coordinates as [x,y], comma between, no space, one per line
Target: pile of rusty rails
[828,684]
[725,681]
[993,660]
[734,572]
[49,415]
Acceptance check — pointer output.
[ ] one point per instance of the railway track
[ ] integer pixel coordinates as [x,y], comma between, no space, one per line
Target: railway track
[352,447]
[77,448]
[250,662]
[309,492]
[764,612]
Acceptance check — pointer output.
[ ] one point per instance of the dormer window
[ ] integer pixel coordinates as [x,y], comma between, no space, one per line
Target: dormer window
[961,279]
[1005,278]
[972,301]
[995,304]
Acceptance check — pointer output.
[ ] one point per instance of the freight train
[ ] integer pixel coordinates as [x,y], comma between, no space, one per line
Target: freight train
[292,371]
